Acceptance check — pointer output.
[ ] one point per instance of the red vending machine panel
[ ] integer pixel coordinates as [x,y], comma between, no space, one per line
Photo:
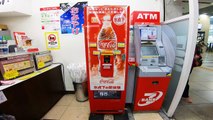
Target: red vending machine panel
[150,93]
[106,40]
[107,62]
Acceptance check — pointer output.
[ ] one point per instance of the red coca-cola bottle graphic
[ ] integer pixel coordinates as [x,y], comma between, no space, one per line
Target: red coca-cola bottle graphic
[106,44]
[107,39]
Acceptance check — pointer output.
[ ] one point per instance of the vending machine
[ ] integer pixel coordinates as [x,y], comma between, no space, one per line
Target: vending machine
[155,59]
[106,42]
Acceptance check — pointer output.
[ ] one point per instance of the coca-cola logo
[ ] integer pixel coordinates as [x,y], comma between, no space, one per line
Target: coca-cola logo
[109,81]
[107,44]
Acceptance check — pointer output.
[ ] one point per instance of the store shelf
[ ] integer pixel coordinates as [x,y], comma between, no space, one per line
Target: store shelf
[32,97]
[3,47]
[12,14]
[27,77]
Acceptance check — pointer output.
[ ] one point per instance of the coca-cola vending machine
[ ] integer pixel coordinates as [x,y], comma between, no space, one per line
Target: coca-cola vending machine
[106,42]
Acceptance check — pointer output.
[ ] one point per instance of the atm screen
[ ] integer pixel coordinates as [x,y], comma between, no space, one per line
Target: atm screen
[149,51]
[148,33]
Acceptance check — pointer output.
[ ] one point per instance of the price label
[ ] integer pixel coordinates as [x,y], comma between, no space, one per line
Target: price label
[121,45]
[28,76]
[44,70]
[92,45]
[96,52]
[11,74]
[41,64]
[117,52]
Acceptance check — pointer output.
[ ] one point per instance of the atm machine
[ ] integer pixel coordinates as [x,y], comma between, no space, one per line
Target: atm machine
[154,65]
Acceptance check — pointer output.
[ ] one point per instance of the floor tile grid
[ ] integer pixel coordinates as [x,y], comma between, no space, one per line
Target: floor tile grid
[201,90]
[80,111]
[56,113]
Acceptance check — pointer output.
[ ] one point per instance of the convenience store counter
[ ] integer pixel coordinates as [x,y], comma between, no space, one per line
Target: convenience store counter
[33,95]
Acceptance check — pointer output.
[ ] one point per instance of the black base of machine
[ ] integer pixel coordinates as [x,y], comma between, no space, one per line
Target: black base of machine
[123,116]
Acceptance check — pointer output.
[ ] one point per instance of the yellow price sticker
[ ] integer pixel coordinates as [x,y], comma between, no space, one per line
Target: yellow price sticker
[28,76]
[44,70]
[92,45]
[117,52]
[121,45]
[169,74]
[41,65]
[11,74]
[96,52]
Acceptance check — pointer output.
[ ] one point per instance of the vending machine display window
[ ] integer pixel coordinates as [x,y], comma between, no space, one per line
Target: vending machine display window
[106,59]
[107,94]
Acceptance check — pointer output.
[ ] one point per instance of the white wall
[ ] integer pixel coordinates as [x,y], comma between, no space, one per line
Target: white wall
[173,9]
[72,46]
[205,21]
[21,6]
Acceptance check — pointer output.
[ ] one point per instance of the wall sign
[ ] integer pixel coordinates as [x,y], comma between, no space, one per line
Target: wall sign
[22,40]
[50,18]
[52,40]
[145,17]
[72,19]
[4,2]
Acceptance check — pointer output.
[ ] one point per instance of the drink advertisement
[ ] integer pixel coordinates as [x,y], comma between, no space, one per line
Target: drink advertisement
[107,38]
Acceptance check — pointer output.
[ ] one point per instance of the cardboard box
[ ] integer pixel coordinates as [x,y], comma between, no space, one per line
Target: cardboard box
[3,27]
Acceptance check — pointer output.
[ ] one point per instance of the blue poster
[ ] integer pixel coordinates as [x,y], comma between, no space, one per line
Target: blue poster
[72,19]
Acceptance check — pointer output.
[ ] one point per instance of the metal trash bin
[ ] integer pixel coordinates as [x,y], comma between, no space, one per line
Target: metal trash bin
[81,92]
[77,73]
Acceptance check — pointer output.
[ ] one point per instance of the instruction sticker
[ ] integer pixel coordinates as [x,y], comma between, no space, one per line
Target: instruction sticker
[2,97]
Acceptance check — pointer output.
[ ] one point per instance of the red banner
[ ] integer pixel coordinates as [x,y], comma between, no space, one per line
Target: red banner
[145,17]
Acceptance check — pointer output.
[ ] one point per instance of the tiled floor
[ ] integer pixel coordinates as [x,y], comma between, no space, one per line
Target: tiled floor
[69,109]
[201,92]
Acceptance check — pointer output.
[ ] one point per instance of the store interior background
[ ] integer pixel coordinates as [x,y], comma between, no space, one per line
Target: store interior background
[72,46]
[205,19]
[200,81]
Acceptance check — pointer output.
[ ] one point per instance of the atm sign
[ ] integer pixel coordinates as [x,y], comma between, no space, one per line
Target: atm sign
[145,17]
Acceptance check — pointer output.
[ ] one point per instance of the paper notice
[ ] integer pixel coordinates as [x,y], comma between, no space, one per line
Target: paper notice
[2,97]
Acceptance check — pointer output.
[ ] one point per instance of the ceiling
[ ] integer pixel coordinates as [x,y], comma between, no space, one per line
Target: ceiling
[205,6]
